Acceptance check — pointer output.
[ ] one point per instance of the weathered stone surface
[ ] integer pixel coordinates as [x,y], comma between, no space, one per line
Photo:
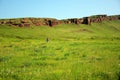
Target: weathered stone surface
[100,18]
[86,20]
[27,22]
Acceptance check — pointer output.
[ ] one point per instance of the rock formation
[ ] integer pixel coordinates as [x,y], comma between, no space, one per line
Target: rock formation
[27,22]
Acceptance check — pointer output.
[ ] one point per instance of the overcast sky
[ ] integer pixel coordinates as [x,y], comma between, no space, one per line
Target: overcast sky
[60,9]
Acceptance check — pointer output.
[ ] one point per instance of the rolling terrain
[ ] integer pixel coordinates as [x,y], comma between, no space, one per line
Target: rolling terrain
[72,52]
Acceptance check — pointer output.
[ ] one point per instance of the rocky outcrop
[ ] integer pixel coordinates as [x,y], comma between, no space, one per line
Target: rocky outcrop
[27,22]
[86,20]
[100,18]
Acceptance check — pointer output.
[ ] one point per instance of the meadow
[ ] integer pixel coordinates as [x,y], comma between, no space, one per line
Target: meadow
[73,52]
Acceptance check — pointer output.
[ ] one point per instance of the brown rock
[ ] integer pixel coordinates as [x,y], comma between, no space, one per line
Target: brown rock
[86,20]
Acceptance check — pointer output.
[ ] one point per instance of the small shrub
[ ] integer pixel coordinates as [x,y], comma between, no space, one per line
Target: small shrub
[118,75]
[26,64]
[19,37]
[117,38]
[41,64]
[8,46]
[119,57]
[101,75]
[44,46]
[4,58]
[43,58]
[59,48]
[67,54]
[84,55]
[33,54]
[62,58]
[15,77]
[98,58]
[36,50]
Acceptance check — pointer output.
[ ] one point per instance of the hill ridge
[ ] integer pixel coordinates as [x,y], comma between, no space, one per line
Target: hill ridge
[27,22]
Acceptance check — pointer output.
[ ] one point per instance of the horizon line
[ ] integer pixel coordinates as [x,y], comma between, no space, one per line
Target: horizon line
[60,19]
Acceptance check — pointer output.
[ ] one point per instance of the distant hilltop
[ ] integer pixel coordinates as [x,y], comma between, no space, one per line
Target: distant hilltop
[27,22]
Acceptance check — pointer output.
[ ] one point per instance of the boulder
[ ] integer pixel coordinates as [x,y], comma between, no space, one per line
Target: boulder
[21,25]
[26,24]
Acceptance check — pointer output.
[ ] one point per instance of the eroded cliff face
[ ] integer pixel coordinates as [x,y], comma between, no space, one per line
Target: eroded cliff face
[27,22]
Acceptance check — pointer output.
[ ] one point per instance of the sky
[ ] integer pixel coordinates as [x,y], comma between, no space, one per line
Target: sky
[60,9]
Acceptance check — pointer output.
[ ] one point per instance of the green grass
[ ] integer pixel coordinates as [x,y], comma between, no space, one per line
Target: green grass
[74,52]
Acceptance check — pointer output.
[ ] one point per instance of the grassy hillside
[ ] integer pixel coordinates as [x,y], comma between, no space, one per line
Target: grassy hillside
[74,52]
[64,31]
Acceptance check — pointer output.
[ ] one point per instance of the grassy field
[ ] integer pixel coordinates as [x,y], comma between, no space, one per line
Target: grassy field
[74,52]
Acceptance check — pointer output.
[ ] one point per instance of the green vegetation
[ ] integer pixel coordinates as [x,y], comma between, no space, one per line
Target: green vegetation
[74,52]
